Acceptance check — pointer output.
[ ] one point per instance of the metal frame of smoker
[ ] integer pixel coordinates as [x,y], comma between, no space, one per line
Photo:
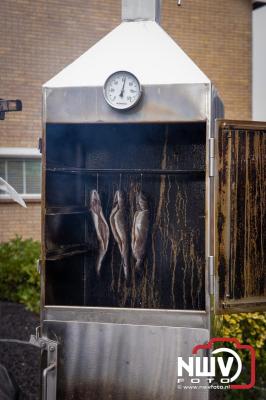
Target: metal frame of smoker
[87,105]
[206,106]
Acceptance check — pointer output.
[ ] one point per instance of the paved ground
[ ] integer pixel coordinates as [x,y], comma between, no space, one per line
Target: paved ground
[23,361]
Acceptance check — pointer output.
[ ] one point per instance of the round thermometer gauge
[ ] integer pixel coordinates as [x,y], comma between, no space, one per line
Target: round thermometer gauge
[122,90]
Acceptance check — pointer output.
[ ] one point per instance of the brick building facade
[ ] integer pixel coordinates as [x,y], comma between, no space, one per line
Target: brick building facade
[39,38]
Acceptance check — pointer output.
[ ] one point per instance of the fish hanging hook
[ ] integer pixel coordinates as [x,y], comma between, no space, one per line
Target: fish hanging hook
[97,183]
[120,180]
[141,176]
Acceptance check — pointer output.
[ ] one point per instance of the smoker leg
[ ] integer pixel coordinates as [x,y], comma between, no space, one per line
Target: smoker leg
[45,388]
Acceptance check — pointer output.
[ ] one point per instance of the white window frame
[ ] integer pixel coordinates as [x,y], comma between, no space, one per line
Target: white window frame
[20,152]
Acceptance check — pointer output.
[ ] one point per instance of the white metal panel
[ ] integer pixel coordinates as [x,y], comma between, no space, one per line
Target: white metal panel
[259,65]
[142,48]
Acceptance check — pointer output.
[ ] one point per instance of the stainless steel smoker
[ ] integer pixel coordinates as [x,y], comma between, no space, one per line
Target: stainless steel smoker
[135,114]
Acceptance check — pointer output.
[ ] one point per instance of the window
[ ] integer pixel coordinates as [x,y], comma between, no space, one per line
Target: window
[22,172]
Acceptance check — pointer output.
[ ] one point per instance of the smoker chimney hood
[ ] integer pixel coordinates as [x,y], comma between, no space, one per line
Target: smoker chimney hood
[173,86]
[138,45]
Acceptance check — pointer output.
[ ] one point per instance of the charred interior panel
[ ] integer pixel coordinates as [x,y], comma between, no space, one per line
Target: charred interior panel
[241,218]
[65,284]
[166,162]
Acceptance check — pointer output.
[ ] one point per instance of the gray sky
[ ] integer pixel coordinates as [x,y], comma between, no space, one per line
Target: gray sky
[259,64]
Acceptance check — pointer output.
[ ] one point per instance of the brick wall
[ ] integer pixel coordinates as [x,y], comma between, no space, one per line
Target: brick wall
[38,38]
[217,36]
[23,221]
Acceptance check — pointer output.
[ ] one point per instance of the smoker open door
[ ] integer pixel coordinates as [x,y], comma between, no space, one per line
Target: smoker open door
[240,252]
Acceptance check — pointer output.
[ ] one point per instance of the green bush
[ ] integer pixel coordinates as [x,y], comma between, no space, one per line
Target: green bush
[248,328]
[19,279]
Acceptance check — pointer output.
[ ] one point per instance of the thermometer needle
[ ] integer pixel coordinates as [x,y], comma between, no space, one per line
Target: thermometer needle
[122,91]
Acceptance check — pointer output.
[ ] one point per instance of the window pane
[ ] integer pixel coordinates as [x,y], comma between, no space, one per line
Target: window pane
[2,172]
[2,169]
[15,174]
[33,176]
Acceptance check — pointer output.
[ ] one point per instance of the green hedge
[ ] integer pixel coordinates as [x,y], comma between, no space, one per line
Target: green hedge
[19,279]
[248,328]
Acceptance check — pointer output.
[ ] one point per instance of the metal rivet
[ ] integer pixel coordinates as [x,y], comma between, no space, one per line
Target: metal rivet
[51,348]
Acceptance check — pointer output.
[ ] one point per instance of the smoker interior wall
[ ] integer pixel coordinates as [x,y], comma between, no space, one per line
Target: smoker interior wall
[173,273]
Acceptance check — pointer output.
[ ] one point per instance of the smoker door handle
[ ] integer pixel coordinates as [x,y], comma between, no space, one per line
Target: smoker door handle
[45,374]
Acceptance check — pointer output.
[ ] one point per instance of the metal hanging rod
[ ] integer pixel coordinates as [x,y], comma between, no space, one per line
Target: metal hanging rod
[68,210]
[127,171]
[66,251]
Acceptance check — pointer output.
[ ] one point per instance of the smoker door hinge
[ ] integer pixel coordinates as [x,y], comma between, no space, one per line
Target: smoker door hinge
[211,274]
[211,156]
[39,266]
[49,374]
[40,144]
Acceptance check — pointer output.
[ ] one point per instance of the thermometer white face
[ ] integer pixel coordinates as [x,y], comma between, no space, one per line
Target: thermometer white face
[122,90]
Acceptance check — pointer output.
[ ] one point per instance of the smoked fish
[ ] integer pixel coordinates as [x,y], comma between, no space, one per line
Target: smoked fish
[140,229]
[101,227]
[119,227]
